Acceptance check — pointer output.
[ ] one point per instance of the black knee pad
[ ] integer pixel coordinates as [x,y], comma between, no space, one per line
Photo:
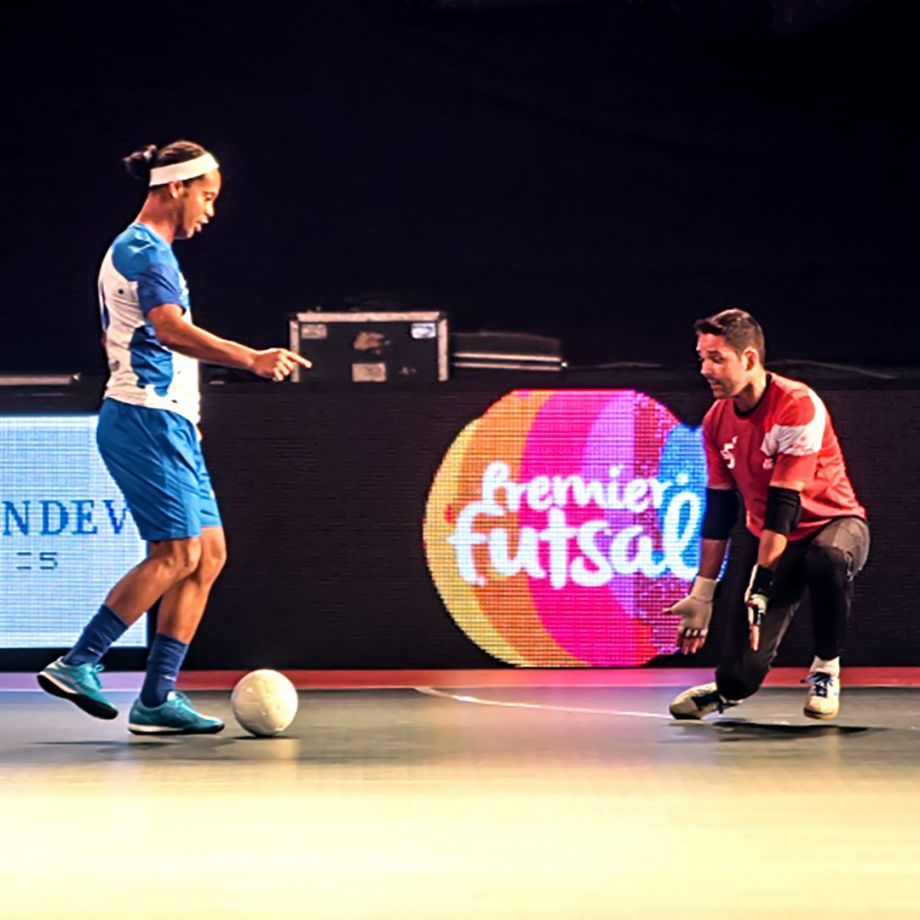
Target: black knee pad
[828,560]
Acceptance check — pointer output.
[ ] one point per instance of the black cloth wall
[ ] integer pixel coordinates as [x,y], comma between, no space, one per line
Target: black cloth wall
[604,172]
[323,494]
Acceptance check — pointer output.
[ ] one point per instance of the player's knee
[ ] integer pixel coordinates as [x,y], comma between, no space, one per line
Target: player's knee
[827,562]
[736,687]
[213,559]
[182,557]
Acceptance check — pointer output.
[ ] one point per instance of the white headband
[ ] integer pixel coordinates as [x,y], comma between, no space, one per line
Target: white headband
[179,172]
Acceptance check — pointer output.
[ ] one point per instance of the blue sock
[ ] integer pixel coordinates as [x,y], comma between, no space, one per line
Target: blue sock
[101,631]
[166,657]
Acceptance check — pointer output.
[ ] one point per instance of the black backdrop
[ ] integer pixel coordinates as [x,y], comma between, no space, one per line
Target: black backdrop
[601,171]
[323,494]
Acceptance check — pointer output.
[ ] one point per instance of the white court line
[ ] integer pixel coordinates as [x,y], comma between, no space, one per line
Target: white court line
[463,698]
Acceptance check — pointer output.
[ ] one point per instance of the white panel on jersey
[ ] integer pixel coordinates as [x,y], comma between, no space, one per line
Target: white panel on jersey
[798,440]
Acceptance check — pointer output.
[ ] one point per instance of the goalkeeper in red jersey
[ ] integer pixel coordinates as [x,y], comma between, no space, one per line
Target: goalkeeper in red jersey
[769,440]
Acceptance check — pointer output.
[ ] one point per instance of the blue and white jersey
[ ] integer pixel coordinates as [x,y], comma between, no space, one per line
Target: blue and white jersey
[138,273]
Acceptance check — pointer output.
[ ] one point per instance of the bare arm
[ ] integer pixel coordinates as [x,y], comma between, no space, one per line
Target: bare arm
[191,340]
[712,555]
[695,610]
[772,546]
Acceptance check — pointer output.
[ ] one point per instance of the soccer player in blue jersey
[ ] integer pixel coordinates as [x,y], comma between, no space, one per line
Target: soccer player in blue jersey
[149,440]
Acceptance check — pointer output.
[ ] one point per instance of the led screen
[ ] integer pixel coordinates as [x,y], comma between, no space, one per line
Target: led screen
[561,524]
[65,533]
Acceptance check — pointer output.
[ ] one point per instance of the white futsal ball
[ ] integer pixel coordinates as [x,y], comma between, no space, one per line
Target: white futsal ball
[264,702]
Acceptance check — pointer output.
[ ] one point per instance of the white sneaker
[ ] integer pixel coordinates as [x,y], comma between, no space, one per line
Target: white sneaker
[698,702]
[823,695]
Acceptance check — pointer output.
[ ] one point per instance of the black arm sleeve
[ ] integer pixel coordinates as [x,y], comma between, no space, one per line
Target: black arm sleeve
[784,510]
[721,513]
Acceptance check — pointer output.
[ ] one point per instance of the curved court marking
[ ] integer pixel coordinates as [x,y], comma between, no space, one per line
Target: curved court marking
[464,698]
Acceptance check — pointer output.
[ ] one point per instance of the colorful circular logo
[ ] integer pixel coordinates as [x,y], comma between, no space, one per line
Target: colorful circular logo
[562,523]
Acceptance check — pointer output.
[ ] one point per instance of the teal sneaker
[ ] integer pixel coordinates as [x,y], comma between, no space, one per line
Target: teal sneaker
[174,717]
[78,683]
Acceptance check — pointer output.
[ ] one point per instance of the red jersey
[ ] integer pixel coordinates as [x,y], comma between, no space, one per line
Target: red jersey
[787,437]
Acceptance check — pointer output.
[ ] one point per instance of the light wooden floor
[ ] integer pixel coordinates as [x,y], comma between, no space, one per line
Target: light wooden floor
[532,803]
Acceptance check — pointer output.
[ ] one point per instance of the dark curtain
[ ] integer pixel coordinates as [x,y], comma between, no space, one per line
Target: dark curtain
[602,172]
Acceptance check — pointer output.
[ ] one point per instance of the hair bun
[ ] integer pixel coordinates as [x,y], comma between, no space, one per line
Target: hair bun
[139,163]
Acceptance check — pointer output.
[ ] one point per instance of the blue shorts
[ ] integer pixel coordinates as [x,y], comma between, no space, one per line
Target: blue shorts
[155,458]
